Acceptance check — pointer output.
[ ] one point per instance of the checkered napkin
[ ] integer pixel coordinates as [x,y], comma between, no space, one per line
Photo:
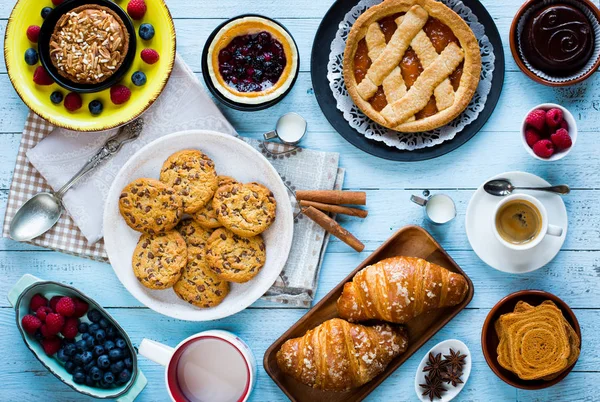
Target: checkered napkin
[299,168]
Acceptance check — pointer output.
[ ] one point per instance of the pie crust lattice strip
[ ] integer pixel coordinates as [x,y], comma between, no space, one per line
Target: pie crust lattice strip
[448,70]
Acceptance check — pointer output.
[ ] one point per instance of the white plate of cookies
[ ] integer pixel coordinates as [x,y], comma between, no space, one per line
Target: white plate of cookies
[198,225]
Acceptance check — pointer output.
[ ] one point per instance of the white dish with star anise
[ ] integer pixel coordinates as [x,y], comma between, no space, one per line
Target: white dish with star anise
[443,371]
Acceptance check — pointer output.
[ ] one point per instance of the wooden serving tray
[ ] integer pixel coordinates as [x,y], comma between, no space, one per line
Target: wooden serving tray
[409,241]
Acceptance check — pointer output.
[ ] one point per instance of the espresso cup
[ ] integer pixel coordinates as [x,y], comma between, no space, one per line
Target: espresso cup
[544,228]
[214,366]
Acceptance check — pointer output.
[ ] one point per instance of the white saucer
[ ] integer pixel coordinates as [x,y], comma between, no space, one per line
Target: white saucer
[444,349]
[479,221]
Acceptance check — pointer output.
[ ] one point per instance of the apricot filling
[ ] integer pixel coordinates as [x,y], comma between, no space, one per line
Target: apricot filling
[410,65]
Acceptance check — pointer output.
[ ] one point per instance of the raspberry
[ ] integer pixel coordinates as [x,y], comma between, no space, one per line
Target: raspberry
[54,323]
[119,94]
[536,119]
[136,9]
[33,33]
[57,2]
[53,302]
[561,139]
[69,330]
[81,307]
[563,124]
[543,149]
[554,117]
[51,345]
[532,136]
[149,56]
[73,101]
[65,307]
[30,323]
[41,76]
[42,312]
[37,301]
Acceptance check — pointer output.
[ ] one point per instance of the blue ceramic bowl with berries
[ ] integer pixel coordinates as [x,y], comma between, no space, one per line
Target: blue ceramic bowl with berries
[76,339]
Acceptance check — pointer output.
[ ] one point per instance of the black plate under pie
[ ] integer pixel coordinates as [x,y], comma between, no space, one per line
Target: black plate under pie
[320,57]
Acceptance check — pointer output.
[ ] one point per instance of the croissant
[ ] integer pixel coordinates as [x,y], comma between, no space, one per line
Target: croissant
[337,355]
[398,289]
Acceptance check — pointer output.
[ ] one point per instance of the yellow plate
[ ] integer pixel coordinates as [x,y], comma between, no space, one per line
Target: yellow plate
[37,97]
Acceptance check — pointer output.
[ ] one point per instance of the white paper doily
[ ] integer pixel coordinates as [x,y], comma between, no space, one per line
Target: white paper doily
[408,141]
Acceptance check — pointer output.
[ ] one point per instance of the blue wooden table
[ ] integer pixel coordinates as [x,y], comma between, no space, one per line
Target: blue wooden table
[574,275]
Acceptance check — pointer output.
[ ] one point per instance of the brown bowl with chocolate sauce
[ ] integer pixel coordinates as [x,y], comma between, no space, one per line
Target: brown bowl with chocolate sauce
[556,42]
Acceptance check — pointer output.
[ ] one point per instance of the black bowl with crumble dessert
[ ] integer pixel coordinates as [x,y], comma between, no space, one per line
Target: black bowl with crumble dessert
[250,62]
[87,45]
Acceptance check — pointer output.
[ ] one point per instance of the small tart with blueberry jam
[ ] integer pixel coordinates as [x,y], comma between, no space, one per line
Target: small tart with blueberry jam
[252,60]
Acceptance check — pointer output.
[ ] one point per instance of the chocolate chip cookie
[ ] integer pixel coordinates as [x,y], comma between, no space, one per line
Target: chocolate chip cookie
[193,234]
[150,206]
[158,260]
[206,216]
[235,258]
[245,209]
[198,285]
[192,174]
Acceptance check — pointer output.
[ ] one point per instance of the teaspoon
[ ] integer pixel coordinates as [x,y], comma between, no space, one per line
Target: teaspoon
[41,212]
[502,187]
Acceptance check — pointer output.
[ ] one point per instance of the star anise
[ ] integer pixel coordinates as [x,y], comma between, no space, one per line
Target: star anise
[435,365]
[455,360]
[433,387]
[451,376]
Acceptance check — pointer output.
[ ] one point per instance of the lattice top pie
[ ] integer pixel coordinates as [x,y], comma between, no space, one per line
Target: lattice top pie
[411,65]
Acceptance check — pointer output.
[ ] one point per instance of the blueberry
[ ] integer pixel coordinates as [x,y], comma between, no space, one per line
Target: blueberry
[95,107]
[89,366]
[111,332]
[61,355]
[31,57]
[109,377]
[70,349]
[138,78]
[70,367]
[78,359]
[109,345]
[117,367]
[46,11]
[103,384]
[103,323]
[124,376]
[128,362]
[98,350]
[96,373]
[85,336]
[79,377]
[89,381]
[146,31]
[94,327]
[115,354]
[94,315]
[83,327]
[90,343]
[100,335]
[120,342]
[87,357]
[103,362]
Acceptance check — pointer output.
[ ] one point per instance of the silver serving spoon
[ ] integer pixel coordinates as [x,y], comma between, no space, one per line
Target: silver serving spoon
[42,211]
[503,187]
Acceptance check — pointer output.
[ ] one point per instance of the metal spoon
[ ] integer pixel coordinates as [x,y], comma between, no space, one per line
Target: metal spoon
[503,187]
[42,211]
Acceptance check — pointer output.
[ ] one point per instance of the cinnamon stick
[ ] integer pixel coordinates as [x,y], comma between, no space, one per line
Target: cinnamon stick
[331,226]
[337,209]
[333,196]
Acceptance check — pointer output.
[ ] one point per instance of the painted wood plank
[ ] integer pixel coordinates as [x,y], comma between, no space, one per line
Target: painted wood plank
[22,368]
[391,209]
[573,276]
